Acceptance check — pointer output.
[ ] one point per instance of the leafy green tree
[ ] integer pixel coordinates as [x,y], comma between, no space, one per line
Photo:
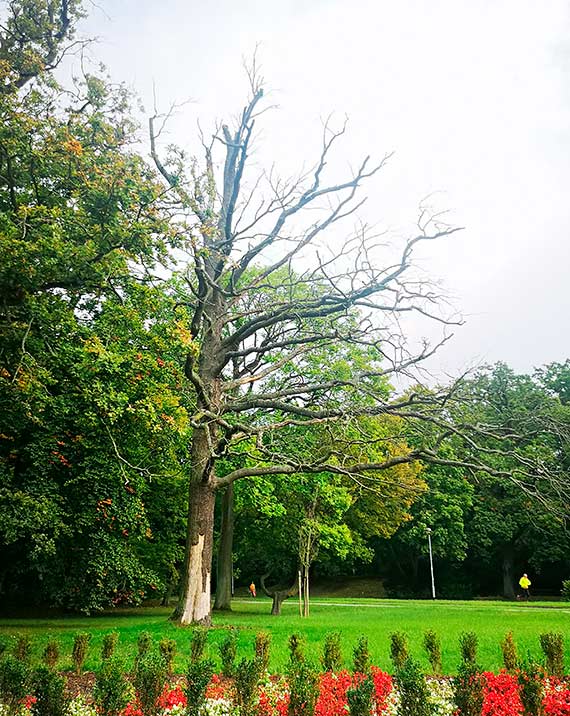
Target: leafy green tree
[488,523]
[90,400]
[444,507]
[555,377]
[285,524]
[518,522]
[36,36]
[101,461]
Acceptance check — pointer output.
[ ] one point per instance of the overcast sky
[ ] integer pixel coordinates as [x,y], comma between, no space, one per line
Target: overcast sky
[473,96]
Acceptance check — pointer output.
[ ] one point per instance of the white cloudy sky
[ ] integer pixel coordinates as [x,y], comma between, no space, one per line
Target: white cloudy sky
[472,95]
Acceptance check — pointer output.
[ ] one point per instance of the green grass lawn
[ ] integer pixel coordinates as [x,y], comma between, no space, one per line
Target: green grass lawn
[375,618]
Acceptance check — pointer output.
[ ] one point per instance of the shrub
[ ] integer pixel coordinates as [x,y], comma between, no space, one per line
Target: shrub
[552,645]
[167,648]
[144,643]
[468,688]
[198,644]
[228,651]
[359,697]
[50,655]
[361,656]
[109,645]
[79,654]
[3,645]
[14,679]
[530,677]
[111,692]
[303,689]
[468,646]
[332,655]
[23,648]
[296,647]
[432,645]
[263,650]
[245,685]
[399,652]
[413,690]
[149,680]
[198,676]
[49,690]
[565,591]
[509,650]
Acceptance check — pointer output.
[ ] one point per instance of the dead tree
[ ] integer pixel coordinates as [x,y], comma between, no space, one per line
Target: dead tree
[265,295]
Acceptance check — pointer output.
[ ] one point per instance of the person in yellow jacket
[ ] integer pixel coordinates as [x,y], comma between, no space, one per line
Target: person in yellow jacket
[524,583]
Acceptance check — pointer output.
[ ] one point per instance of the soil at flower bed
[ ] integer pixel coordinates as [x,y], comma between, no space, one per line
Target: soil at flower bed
[79,684]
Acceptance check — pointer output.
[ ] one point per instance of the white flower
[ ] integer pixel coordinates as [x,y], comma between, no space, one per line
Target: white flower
[177,710]
[393,702]
[79,707]
[441,696]
[218,707]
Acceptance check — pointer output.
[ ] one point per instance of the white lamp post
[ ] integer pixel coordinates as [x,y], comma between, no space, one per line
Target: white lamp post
[428,530]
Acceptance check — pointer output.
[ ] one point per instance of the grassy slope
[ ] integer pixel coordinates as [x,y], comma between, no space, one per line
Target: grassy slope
[374,618]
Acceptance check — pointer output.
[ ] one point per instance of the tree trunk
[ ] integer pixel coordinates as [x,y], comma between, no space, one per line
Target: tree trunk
[225,564]
[194,606]
[306,592]
[278,599]
[277,595]
[164,602]
[508,586]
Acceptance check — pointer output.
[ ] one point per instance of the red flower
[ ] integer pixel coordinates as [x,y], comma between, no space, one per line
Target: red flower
[332,699]
[216,689]
[132,709]
[172,697]
[557,699]
[332,694]
[382,689]
[501,695]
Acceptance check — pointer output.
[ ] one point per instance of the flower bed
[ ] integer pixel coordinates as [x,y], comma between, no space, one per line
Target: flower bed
[501,697]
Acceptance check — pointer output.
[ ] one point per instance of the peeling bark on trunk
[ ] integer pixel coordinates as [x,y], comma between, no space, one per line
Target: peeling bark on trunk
[194,606]
[224,570]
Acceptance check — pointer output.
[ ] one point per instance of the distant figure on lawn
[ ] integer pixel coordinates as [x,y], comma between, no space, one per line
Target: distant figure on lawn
[524,583]
[252,590]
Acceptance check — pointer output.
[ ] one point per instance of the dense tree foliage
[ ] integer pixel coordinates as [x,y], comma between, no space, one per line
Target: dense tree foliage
[486,529]
[89,379]
[489,528]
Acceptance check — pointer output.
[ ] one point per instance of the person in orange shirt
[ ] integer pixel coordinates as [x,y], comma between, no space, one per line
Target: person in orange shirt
[252,590]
